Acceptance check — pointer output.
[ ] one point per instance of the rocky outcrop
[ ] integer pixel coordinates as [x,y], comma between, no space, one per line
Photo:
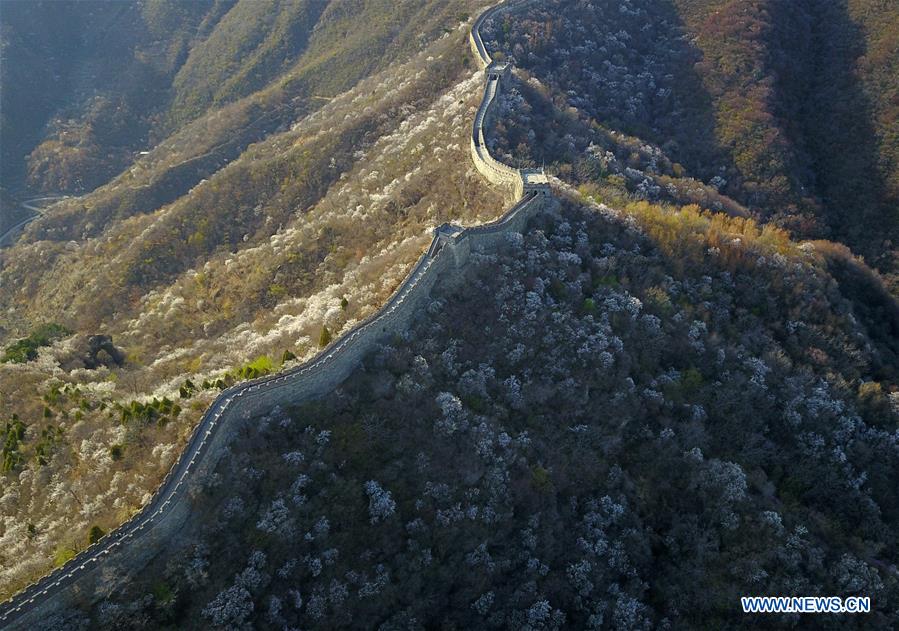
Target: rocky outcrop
[101,351]
[90,351]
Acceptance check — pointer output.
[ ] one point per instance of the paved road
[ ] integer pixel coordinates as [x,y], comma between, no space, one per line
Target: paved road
[34,205]
[177,480]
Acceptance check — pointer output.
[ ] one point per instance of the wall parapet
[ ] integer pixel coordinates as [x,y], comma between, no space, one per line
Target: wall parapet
[169,507]
[518,180]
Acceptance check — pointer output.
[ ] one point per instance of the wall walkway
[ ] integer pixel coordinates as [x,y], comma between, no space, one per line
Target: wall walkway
[132,545]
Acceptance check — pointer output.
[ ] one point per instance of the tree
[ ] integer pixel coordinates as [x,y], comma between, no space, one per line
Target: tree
[63,555]
[15,432]
[381,504]
[231,607]
[325,338]
[96,533]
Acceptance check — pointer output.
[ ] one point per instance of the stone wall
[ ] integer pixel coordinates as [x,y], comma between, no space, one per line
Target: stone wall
[133,545]
[162,518]
[496,172]
[511,179]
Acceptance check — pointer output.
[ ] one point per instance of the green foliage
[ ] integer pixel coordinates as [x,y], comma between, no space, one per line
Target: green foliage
[260,366]
[163,593]
[691,380]
[287,356]
[95,534]
[606,280]
[187,389]
[25,349]
[475,403]
[46,444]
[14,433]
[557,289]
[324,337]
[541,480]
[159,411]
[221,383]
[276,290]
[116,452]
[659,300]
[63,555]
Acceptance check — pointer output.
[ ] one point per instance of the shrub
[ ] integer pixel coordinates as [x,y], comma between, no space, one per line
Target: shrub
[541,480]
[46,445]
[691,381]
[325,338]
[25,349]
[96,533]
[63,555]
[14,433]
[260,366]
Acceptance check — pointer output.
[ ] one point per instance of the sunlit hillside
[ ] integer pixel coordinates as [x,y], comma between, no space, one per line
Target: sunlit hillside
[676,385]
[298,237]
[789,108]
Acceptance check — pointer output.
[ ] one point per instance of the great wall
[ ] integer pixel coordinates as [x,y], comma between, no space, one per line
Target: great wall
[160,519]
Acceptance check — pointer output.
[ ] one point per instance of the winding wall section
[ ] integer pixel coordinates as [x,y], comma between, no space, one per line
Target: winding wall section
[160,519]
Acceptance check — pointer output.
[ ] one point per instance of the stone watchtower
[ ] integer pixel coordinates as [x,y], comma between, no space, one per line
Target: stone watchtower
[535,181]
[500,70]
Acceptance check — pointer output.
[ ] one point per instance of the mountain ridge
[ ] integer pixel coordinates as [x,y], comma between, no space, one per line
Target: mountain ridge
[256,252]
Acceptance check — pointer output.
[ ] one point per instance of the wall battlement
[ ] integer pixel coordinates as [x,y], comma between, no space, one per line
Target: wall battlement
[517,181]
[170,507]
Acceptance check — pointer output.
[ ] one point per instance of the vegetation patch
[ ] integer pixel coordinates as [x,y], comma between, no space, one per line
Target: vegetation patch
[25,349]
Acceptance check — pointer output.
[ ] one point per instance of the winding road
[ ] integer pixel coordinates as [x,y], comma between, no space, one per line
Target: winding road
[531,185]
[9,237]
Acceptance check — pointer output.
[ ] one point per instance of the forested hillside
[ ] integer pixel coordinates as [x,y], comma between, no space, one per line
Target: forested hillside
[681,388]
[580,433]
[88,85]
[248,238]
[85,84]
[790,108]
